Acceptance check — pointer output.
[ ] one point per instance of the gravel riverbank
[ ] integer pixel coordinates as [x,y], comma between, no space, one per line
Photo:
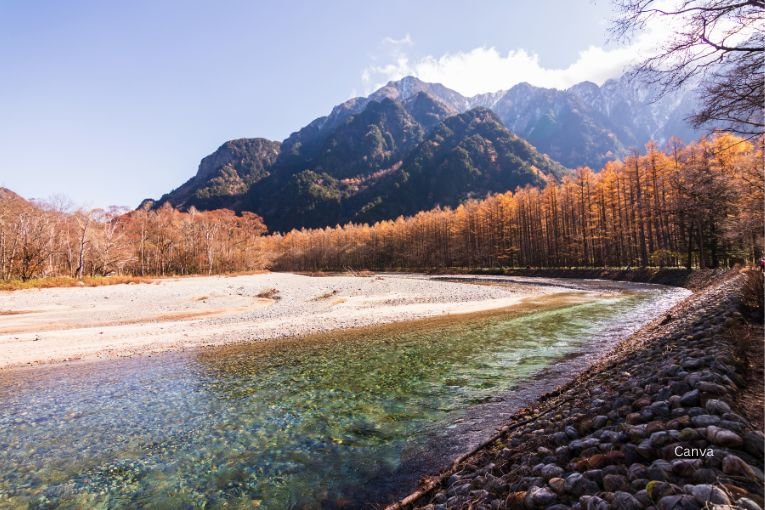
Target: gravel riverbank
[39,326]
[662,422]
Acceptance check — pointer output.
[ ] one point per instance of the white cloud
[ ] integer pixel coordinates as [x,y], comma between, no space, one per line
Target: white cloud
[404,41]
[486,69]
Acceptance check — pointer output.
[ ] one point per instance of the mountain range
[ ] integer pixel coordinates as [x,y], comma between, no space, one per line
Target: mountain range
[412,145]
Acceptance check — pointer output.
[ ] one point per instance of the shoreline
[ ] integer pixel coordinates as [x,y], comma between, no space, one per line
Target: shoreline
[59,325]
[608,437]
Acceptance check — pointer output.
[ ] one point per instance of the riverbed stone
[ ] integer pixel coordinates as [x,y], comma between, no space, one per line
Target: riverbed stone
[645,449]
[754,443]
[723,437]
[577,485]
[678,502]
[678,422]
[690,398]
[711,388]
[660,408]
[613,483]
[596,475]
[593,503]
[686,467]
[659,439]
[550,471]
[658,489]
[540,497]
[557,484]
[692,363]
[626,501]
[707,493]
[704,420]
[599,421]
[747,504]
[734,465]
[636,432]
[636,471]
[716,406]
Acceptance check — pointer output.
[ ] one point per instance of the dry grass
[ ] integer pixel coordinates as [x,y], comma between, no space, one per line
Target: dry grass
[748,337]
[65,281]
[753,294]
[269,294]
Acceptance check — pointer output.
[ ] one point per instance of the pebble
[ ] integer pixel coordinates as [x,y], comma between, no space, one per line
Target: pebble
[704,420]
[613,483]
[551,471]
[734,465]
[707,494]
[593,503]
[723,437]
[540,497]
[557,484]
[717,406]
[747,504]
[691,398]
[626,501]
[708,387]
[679,502]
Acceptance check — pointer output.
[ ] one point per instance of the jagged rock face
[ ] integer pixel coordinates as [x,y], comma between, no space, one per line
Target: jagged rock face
[558,124]
[585,125]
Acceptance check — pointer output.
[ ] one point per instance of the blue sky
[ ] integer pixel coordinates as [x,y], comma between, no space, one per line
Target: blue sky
[111,102]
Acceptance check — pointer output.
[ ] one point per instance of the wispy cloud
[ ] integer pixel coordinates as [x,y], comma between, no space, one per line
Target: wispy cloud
[486,69]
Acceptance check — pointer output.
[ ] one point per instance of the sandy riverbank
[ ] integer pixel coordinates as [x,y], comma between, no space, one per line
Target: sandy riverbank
[62,324]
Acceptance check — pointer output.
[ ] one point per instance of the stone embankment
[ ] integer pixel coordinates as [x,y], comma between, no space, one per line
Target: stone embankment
[662,422]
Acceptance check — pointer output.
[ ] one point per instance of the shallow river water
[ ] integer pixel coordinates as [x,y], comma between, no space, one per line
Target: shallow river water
[342,420]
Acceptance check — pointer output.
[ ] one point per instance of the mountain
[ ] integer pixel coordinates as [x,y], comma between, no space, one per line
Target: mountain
[468,155]
[587,124]
[383,162]
[226,173]
[412,145]
[584,125]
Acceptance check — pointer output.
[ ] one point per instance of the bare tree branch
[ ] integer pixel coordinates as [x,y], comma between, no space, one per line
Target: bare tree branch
[721,44]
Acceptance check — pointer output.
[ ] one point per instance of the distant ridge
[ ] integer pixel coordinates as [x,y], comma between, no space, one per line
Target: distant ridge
[379,156]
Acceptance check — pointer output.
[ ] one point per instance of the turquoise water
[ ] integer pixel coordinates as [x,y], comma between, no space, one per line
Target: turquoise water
[336,421]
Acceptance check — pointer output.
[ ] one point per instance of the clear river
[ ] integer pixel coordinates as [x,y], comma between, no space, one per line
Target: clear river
[345,420]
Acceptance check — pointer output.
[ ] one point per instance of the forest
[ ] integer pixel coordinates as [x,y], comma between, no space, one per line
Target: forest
[42,240]
[696,205]
[699,205]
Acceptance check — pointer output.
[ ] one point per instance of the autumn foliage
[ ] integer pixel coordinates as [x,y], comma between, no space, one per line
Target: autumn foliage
[41,240]
[699,205]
